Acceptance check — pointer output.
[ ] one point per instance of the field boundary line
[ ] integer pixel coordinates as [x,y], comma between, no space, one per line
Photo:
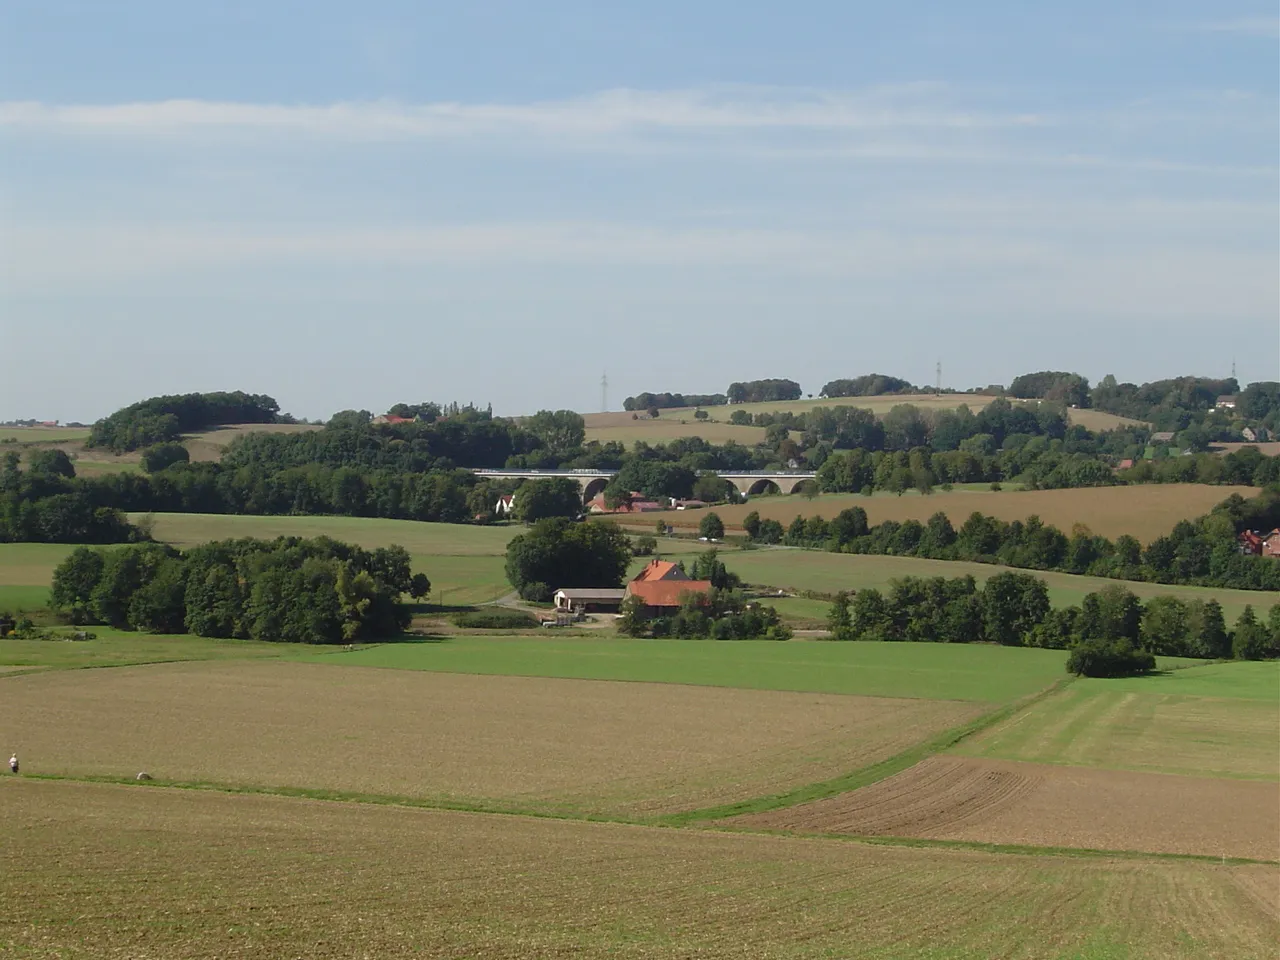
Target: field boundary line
[864,776]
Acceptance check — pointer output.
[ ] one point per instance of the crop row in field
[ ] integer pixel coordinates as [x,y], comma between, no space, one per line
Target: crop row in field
[1027,804]
[1144,511]
[95,870]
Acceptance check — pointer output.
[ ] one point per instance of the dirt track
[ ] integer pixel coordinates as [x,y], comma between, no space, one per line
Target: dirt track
[1001,801]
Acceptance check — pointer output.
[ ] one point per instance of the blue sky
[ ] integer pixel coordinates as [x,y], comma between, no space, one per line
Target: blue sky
[348,205]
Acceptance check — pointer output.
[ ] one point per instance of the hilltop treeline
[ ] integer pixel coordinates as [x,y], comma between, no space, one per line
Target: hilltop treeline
[289,589]
[1111,632]
[763,391]
[1202,552]
[664,401]
[162,419]
[869,385]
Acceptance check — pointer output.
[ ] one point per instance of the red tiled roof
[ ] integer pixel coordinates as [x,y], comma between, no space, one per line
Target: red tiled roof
[660,570]
[665,593]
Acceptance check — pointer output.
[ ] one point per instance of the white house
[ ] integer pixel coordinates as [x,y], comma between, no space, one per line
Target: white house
[505,505]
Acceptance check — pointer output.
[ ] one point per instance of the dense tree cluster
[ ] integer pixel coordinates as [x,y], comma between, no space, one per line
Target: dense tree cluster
[289,589]
[1056,386]
[868,385]
[43,505]
[557,553]
[1247,466]
[163,419]
[723,614]
[763,391]
[1202,552]
[664,401]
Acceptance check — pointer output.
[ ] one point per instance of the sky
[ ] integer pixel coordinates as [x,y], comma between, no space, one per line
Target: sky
[351,205]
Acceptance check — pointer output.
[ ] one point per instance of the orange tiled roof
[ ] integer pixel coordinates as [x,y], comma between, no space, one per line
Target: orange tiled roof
[665,593]
[661,570]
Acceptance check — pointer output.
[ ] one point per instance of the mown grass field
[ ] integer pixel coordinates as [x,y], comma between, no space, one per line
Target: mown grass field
[43,434]
[1144,511]
[794,569]
[980,673]
[620,427]
[1221,720]
[184,874]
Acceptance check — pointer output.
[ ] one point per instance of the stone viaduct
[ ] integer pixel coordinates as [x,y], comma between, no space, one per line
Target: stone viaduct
[747,482]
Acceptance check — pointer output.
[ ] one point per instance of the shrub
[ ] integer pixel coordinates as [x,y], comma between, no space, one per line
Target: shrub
[1109,658]
[494,619]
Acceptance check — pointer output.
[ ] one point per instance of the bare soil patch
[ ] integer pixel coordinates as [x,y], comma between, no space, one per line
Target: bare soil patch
[531,743]
[94,870]
[999,801]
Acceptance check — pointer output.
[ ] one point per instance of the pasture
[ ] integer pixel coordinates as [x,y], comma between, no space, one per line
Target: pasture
[25,435]
[1143,511]
[209,444]
[793,569]
[620,427]
[1167,725]
[986,674]
[184,874]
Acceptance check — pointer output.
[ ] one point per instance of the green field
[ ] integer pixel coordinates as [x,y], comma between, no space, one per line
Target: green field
[1215,720]
[793,569]
[42,434]
[934,671]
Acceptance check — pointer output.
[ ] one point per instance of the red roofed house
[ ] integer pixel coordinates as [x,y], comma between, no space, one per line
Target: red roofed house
[505,506]
[1271,544]
[637,504]
[1250,544]
[660,585]
[391,419]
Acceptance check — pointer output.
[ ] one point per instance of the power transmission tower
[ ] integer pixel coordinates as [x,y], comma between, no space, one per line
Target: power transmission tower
[938,390]
[604,393]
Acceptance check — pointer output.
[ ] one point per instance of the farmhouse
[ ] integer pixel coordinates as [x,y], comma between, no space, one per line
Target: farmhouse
[505,505]
[660,585]
[1256,434]
[637,504]
[1126,464]
[1225,402]
[589,599]
[1163,436]
[1256,544]
[390,419]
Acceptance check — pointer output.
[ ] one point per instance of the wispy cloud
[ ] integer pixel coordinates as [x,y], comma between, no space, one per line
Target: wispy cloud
[1249,26]
[920,106]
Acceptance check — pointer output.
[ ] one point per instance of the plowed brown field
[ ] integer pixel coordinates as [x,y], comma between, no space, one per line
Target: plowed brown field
[994,801]
[517,742]
[103,871]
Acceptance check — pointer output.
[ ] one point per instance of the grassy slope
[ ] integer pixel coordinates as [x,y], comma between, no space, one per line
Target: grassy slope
[1216,720]
[832,572]
[1143,511]
[982,673]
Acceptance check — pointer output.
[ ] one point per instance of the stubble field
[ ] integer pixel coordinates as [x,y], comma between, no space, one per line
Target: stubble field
[191,874]
[1143,511]
[547,745]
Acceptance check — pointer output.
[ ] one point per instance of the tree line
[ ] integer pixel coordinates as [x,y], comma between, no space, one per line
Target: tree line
[1203,552]
[665,401]
[1111,632]
[44,504]
[288,589]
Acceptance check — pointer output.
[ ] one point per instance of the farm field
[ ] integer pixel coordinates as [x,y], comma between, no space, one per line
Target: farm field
[23,435]
[547,745]
[187,874]
[1143,511]
[1165,726]
[209,444]
[794,569]
[1003,802]
[987,674]
[619,427]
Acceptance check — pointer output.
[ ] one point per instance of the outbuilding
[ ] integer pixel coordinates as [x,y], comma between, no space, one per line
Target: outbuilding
[589,599]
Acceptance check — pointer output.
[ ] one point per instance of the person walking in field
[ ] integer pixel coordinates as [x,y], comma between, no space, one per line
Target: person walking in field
[13,764]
